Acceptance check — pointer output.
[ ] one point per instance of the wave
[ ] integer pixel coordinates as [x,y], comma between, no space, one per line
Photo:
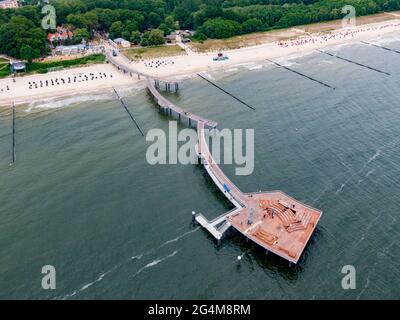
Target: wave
[387,40]
[155,262]
[58,104]
[369,173]
[286,63]
[135,257]
[179,237]
[259,66]
[376,155]
[207,75]
[138,257]
[339,47]
[245,64]
[341,188]
[88,285]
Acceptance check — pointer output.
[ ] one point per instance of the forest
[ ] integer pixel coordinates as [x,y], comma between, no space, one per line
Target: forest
[145,22]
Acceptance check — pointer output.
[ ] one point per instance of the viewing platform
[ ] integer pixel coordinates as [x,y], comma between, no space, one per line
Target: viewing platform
[273,220]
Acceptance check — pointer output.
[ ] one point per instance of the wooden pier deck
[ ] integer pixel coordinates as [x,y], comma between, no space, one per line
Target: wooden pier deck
[273,220]
[169,106]
[161,101]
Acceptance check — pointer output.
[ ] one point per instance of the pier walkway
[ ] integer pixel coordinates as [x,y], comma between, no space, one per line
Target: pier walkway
[274,220]
[152,84]
[170,107]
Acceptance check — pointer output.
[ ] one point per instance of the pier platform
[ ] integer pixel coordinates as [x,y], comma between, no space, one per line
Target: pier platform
[273,220]
[276,222]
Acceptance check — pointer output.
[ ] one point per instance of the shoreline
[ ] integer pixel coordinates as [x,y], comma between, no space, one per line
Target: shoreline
[97,77]
[88,79]
[202,62]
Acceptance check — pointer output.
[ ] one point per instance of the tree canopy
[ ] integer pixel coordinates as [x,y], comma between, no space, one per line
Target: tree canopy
[21,34]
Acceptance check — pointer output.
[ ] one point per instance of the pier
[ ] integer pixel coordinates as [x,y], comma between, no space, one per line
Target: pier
[301,74]
[273,220]
[354,62]
[171,108]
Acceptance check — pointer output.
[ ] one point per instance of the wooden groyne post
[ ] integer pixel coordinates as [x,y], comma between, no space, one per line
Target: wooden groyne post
[382,47]
[301,74]
[130,114]
[354,62]
[228,93]
[13,133]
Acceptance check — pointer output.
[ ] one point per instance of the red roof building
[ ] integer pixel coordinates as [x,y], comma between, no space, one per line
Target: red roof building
[8,4]
[60,35]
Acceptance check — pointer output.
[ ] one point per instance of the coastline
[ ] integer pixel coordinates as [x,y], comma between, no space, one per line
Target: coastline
[19,92]
[202,62]
[94,78]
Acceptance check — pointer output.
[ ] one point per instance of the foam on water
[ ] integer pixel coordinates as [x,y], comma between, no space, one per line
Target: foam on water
[384,41]
[179,237]
[256,67]
[155,262]
[53,103]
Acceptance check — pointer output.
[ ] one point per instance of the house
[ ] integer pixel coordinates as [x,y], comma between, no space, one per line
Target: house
[70,50]
[171,38]
[186,33]
[60,35]
[122,42]
[9,4]
[17,66]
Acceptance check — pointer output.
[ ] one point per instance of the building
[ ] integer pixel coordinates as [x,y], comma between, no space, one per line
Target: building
[17,66]
[9,4]
[70,50]
[186,33]
[171,38]
[61,35]
[122,42]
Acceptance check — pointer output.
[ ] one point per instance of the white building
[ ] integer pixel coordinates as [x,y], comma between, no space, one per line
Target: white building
[70,50]
[122,42]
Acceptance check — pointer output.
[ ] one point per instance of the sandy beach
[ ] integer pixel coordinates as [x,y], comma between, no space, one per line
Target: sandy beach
[96,77]
[307,43]
[81,81]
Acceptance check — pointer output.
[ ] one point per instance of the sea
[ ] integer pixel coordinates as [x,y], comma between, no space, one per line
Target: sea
[82,197]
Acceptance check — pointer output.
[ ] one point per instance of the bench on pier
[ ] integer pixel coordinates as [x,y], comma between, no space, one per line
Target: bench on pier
[291,220]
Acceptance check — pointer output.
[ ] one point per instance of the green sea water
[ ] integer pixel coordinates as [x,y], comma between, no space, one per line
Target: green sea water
[82,197]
